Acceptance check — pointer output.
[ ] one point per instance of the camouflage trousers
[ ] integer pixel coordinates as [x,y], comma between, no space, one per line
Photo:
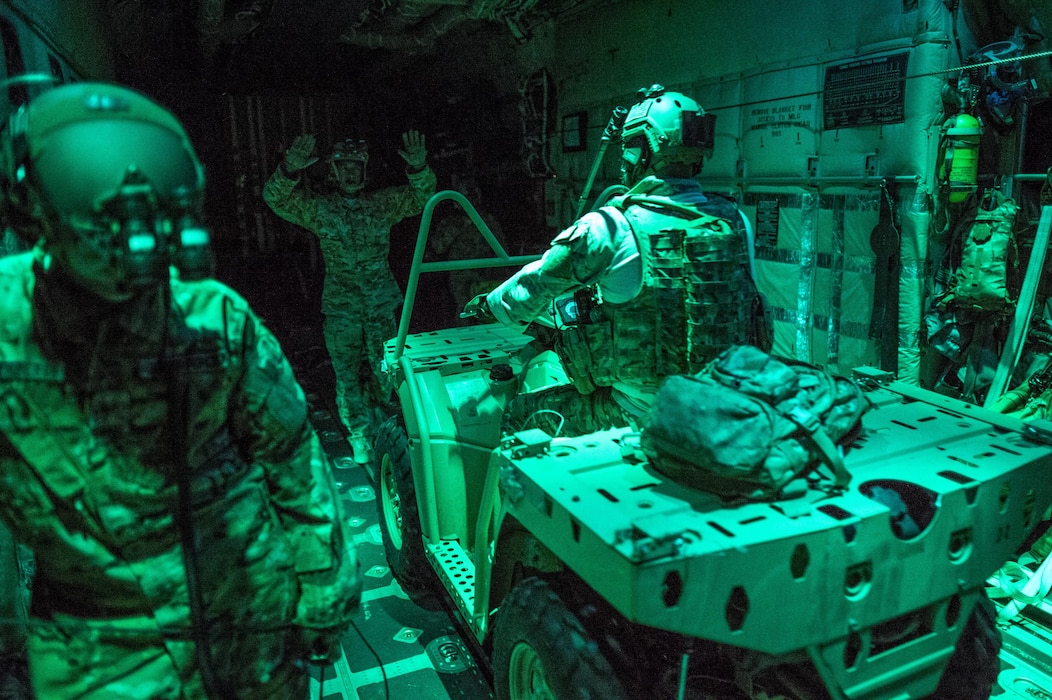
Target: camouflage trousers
[356,347]
[563,411]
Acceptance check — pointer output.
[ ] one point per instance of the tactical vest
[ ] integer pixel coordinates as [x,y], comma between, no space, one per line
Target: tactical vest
[695,299]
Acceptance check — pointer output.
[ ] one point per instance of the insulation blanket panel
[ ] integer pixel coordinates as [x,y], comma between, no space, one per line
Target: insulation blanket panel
[817,271]
[828,158]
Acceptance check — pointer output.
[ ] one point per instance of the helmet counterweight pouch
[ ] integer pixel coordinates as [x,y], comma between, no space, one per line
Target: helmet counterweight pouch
[698,130]
[748,424]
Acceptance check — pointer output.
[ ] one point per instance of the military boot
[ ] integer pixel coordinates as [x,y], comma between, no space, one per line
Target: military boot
[360,447]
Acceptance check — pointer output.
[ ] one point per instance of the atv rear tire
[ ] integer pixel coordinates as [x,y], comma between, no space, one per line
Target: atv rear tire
[399,515]
[542,651]
[973,669]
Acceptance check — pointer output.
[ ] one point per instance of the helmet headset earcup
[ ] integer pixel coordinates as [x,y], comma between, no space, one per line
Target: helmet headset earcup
[17,206]
[14,151]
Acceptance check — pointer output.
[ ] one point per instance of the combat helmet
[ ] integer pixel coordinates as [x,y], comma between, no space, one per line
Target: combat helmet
[664,129]
[114,181]
[350,178]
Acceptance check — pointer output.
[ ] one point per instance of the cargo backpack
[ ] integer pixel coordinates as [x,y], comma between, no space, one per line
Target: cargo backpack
[748,424]
[980,287]
[989,259]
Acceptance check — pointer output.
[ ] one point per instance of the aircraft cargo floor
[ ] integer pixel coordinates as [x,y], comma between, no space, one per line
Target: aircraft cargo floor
[397,650]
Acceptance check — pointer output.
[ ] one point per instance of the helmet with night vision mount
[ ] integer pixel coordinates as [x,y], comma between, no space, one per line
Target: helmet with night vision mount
[114,182]
[664,131]
[348,160]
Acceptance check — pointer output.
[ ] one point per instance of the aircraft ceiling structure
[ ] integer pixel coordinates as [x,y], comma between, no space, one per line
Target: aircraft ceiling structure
[280,41]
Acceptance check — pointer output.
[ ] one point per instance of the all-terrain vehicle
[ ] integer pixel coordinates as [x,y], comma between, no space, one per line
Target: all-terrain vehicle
[583,572]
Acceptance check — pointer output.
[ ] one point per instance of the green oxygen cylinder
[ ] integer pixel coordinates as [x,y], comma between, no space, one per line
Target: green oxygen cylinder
[959,164]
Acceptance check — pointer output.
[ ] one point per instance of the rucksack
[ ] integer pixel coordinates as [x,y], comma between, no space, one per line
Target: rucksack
[984,278]
[748,424]
[975,295]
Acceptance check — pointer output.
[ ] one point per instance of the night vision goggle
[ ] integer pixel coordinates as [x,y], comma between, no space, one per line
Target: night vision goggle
[349,149]
[143,236]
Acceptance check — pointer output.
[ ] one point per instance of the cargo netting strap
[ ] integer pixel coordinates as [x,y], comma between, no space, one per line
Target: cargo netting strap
[1020,584]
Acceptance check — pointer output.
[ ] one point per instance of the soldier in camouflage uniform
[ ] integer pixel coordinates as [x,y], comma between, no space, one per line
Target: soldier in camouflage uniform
[157,455]
[660,279]
[360,295]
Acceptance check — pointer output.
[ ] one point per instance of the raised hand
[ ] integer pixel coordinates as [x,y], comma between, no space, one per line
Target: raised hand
[415,153]
[300,154]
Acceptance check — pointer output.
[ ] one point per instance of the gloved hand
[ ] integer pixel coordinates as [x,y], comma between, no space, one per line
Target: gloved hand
[478,309]
[415,154]
[300,154]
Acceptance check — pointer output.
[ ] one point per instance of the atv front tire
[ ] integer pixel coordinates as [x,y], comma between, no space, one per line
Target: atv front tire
[973,669]
[399,515]
[541,650]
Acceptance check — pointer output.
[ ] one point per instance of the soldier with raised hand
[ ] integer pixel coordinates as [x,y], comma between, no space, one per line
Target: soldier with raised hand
[359,295]
[156,453]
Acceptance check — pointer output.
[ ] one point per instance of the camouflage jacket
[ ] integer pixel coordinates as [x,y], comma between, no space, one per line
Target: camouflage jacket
[89,479]
[354,235]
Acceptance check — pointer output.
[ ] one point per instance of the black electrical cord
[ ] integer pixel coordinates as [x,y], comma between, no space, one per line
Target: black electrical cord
[379,662]
[179,405]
